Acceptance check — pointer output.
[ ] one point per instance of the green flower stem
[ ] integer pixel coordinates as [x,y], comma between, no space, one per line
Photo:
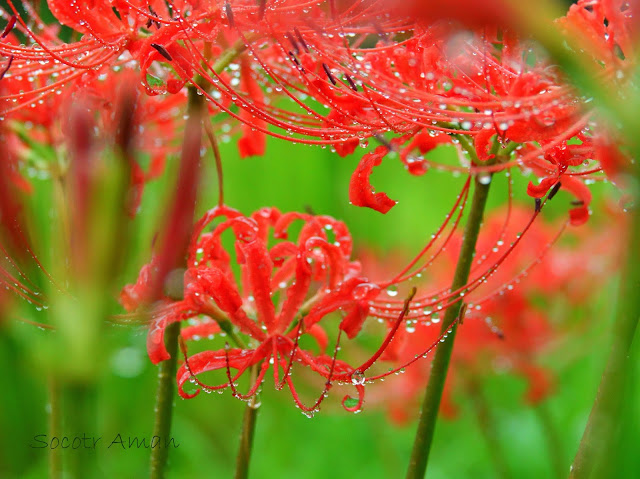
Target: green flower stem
[164,401]
[246,436]
[167,369]
[597,447]
[431,403]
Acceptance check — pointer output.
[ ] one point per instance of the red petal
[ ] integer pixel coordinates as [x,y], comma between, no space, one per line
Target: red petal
[258,266]
[539,190]
[202,329]
[361,193]
[296,293]
[483,144]
[579,215]
[344,148]
[155,339]
[424,142]
[253,142]
[353,321]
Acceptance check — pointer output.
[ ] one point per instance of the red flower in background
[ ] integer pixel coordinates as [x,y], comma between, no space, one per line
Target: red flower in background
[505,326]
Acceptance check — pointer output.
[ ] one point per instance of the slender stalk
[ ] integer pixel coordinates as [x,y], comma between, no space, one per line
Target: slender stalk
[164,401]
[177,231]
[433,394]
[485,424]
[246,436]
[596,448]
[167,369]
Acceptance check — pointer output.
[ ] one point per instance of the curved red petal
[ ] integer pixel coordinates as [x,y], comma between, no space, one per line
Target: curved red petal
[361,193]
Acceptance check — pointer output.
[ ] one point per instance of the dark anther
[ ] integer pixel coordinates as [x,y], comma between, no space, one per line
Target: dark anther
[618,51]
[162,51]
[157,23]
[538,205]
[9,27]
[6,68]
[329,74]
[577,203]
[227,9]
[554,190]
[300,39]
[351,82]
[296,61]
[262,9]
[293,42]
[383,141]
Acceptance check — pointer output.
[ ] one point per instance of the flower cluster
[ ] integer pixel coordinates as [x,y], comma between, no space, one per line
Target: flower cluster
[285,290]
[372,71]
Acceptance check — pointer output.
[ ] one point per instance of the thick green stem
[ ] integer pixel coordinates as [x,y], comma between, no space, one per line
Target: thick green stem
[597,448]
[246,438]
[164,401]
[431,403]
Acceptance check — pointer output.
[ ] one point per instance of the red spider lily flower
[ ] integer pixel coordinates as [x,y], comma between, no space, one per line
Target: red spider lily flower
[607,31]
[470,14]
[431,80]
[496,330]
[44,125]
[504,327]
[286,290]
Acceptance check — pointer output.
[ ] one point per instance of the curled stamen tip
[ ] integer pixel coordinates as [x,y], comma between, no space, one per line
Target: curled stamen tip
[354,404]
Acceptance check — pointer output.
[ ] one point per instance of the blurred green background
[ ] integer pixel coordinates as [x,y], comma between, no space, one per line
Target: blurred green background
[288,444]
[333,443]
